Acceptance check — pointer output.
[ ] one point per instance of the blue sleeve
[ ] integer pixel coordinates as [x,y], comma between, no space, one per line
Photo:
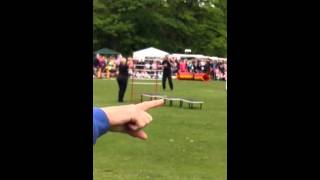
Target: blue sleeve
[100,123]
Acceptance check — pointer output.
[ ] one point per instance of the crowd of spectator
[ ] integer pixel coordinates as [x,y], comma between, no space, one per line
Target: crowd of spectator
[106,67]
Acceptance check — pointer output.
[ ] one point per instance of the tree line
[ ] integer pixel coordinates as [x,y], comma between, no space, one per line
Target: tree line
[170,25]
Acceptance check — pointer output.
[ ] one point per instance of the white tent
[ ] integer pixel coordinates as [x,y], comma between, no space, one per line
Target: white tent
[218,58]
[149,53]
[214,58]
[182,56]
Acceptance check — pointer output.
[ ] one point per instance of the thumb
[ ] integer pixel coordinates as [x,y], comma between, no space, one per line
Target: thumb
[138,134]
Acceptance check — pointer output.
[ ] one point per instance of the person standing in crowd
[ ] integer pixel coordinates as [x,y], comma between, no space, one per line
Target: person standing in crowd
[211,69]
[213,66]
[221,69]
[130,65]
[173,67]
[217,71]
[189,66]
[154,66]
[122,78]
[107,68]
[193,66]
[95,66]
[101,60]
[202,65]
[207,67]
[182,66]
[154,69]
[147,65]
[111,68]
[225,70]
[176,66]
[167,65]
[198,67]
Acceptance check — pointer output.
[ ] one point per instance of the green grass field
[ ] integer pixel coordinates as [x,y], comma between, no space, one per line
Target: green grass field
[183,143]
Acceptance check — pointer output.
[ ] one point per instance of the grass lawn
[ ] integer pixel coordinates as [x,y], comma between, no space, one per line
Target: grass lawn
[183,143]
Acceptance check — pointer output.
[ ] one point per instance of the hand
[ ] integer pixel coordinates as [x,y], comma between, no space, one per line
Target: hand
[131,119]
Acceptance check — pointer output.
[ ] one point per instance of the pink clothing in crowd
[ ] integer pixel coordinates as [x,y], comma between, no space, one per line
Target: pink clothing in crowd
[101,60]
[182,67]
[154,66]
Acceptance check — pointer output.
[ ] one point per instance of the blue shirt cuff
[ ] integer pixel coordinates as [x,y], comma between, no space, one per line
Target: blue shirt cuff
[100,123]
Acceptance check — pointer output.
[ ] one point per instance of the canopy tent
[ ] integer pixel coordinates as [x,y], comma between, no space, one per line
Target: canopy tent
[149,53]
[197,56]
[106,51]
[223,59]
[214,58]
[188,56]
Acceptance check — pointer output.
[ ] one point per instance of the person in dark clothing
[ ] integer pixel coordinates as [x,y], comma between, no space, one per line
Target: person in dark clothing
[122,78]
[167,65]
[176,66]
[198,67]
[193,66]
[95,65]
[207,67]
[213,69]
[221,67]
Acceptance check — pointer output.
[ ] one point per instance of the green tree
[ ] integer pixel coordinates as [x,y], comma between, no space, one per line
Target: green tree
[171,25]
